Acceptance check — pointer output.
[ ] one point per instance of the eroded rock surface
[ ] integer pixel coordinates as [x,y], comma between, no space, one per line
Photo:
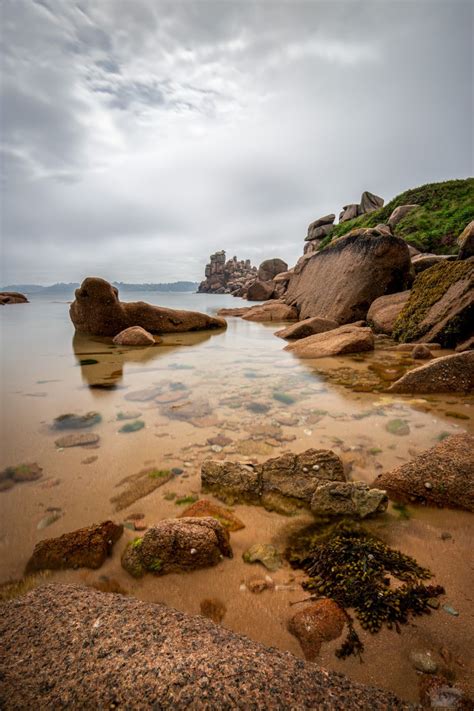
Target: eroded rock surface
[451,373]
[338,341]
[353,499]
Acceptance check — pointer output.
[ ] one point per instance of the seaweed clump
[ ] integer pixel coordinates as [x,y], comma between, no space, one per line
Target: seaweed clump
[354,569]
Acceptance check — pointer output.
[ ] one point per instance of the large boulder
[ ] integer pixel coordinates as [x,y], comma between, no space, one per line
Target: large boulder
[12,297]
[348,498]
[399,213]
[281,483]
[84,548]
[308,327]
[260,290]
[338,341]
[451,373]
[178,545]
[369,202]
[270,268]
[134,336]
[341,281]
[441,305]
[466,242]
[349,212]
[64,646]
[97,310]
[442,475]
[385,310]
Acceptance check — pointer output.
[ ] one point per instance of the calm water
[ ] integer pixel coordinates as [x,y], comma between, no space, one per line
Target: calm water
[207,384]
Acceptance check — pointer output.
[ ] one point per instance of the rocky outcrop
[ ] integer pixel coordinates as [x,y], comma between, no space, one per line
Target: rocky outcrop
[451,373]
[84,548]
[270,268]
[135,336]
[341,281]
[282,484]
[385,310]
[320,228]
[442,476]
[64,646]
[466,242]
[308,327]
[399,213]
[368,203]
[12,297]
[177,545]
[441,305]
[338,341]
[260,290]
[319,622]
[97,310]
[351,499]
[227,277]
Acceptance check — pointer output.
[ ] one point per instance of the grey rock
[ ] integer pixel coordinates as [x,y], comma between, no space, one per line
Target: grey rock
[399,213]
[370,202]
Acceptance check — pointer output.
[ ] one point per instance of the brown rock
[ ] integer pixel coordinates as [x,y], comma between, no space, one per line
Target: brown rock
[205,508]
[320,622]
[270,268]
[369,202]
[451,373]
[467,345]
[466,242]
[399,213]
[349,212]
[421,262]
[421,352]
[149,655]
[319,232]
[442,475]
[308,327]
[178,545]
[260,290]
[341,281]
[84,548]
[325,220]
[97,310]
[135,336]
[385,310]
[77,440]
[20,473]
[12,297]
[239,311]
[283,277]
[213,609]
[339,341]
[272,311]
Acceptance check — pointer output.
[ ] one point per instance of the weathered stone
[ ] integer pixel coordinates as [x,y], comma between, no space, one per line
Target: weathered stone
[466,242]
[325,220]
[319,622]
[70,646]
[421,352]
[448,468]
[338,341]
[204,508]
[232,481]
[353,499]
[271,311]
[341,281]
[308,327]
[260,290]
[12,297]
[399,213]
[98,311]
[441,305]
[421,262]
[71,421]
[173,546]
[21,473]
[451,373]
[349,212]
[265,554]
[84,548]
[270,268]
[369,202]
[77,440]
[135,336]
[385,310]
[283,277]
[319,232]
[227,277]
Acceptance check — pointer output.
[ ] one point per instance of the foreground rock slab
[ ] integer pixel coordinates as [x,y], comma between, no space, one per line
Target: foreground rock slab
[338,341]
[443,475]
[97,310]
[452,373]
[84,548]
[145,655]
[177,545]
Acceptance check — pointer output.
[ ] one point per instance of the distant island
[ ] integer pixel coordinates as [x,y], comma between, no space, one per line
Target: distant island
[60,287]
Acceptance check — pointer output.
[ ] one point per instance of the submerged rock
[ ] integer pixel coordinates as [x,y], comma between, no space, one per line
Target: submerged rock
[84,548]
[308,327]
[213,609]
[442,475]
[135,336]
[320,622]
[204,508]
[353,499]
[21,473]
[174,546]
[77,440]
[98,310]
[263,553]
[281,484]
[141,650]
[140,485]
[338,341]
[421,352]
[451,373]
[76,422]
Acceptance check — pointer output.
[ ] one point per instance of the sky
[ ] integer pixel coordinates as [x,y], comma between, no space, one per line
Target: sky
[139,136]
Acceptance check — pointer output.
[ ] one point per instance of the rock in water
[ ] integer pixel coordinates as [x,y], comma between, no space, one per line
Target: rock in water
[271,311]
[308,327]
[441,305]
[353,499]
[84,548]
[320,622]
[12,297]
[260,290]
[71,421]
[270,268]
[338,341]
[342,280]
[174,546]
[385,310]
[443,475]
[138,651]
[452,373]
[77,440]
[98,311]
[135,336]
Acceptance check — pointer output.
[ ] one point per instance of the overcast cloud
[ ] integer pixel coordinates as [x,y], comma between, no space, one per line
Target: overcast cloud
[139,136]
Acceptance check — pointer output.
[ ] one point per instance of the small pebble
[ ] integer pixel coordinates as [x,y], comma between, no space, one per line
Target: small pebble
[451,610]
[428,485]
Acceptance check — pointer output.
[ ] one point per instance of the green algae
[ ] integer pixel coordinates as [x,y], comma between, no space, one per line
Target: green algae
[284,398]
[190,499]
[132,426]
[159,473]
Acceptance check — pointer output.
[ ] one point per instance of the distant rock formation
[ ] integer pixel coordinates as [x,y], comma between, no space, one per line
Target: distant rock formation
[12,297]
[97,310]
[229,277]
[368,203]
